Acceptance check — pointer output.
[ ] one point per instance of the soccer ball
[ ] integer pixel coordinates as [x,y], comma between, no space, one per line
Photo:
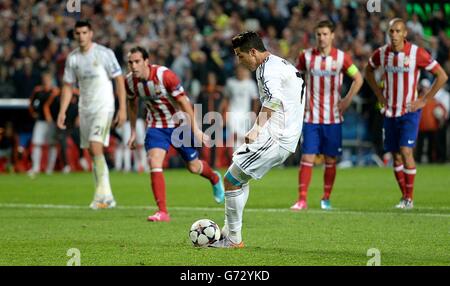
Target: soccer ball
[204,232]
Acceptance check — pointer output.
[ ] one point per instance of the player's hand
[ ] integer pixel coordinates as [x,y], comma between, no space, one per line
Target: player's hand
[132,141]
[251,136]
[416,105]
[121,117]
[61,120]
[343,105]
[381,99]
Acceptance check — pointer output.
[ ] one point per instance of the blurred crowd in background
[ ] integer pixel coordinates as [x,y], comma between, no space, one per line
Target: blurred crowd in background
[193,38]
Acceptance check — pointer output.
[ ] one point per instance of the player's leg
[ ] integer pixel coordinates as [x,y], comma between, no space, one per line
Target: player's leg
[157,143]
[310,147]
[328,181]
[409,171]
[250,161]
[203,169]
[103,194]
[236,195]
[332,147]
[185,147]
[156,158]
[94,129]
[391,144]
[409,126]
[399,172]
[53,150]
[304,179]
[37,140]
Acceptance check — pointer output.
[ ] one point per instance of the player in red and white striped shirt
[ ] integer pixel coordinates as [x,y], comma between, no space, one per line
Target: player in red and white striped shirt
[323,68]
[167,105]
[401,62]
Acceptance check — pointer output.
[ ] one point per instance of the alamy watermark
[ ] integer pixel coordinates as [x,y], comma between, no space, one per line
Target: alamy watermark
[374,6]
[375,253]
[75,257]
[73,8]
[221,131]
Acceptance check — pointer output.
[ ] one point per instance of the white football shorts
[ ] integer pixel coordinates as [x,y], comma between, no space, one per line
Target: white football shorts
[257,158]
[95,127]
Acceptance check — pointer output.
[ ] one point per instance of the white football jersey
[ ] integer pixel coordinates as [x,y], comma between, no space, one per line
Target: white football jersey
[280,82]
[93,70]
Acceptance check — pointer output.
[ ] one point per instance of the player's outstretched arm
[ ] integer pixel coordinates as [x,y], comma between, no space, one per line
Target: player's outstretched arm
[186,107]
[66,97]
[121,116]
[370,77]
[441,79]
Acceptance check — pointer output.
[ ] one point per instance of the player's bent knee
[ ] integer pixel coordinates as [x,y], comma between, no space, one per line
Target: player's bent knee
[194,166]
[235,178]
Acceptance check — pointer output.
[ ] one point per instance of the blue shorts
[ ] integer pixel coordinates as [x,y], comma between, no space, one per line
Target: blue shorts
[322,139]
[162,138]
[401,131]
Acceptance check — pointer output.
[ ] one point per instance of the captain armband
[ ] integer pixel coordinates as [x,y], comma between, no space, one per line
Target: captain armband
[352,70]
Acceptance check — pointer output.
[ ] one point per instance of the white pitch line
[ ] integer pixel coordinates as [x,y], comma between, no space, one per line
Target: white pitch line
[218,209]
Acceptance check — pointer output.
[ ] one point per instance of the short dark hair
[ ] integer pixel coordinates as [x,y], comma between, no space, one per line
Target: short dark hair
[248,40]
[83,23]
[326,24]
[139,49]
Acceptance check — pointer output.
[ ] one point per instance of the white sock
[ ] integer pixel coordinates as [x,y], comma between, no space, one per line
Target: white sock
[234,208]
[52,153]
[246,189]
[101,176]
[36,158]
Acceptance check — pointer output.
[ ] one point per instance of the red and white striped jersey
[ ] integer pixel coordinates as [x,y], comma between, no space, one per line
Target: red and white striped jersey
[159,92]
[324,75]
[401,73]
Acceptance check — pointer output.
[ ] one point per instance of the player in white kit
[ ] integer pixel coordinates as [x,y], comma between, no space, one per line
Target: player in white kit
[274,136]
[93,66]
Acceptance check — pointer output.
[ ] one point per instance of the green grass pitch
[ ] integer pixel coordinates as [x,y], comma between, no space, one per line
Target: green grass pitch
[42,219]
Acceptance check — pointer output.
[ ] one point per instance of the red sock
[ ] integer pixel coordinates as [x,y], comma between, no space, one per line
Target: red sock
[400,176]
[304,178]
[328,180]
[410,174]
[208,173]
[159,188]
